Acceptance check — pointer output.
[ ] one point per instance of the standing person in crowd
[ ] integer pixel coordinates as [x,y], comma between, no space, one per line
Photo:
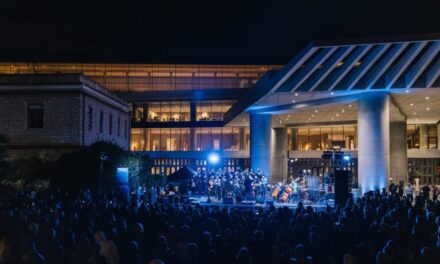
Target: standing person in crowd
[401,188]
[409,192]
[107,248]
[425,191]
[392,188]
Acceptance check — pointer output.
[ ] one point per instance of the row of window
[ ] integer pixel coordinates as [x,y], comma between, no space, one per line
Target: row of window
[151,77]
[180,111]
[212,110]
[110,123]
[36,120]
[187,139]
[345,137]
[322,138]
[427,170]
[237,138]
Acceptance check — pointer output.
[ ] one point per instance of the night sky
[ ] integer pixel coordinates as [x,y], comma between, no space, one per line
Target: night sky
[205,31]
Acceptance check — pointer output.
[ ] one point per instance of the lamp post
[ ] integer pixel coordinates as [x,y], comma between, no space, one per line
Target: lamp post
[102,157]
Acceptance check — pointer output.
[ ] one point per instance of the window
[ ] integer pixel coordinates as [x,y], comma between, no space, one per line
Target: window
[422,136]
[119,126]
[216,135]
[165,111]
[176,111]
[154,112]
[303,139]
[186,139]
[137,140]
[35,116]
[338,137]
[326,138]
[138,112]
[315,138]
[350,135]
[212,110]
[432,137]
[155,139]
[110,124]
[322,138]
[90,114]
[101,122]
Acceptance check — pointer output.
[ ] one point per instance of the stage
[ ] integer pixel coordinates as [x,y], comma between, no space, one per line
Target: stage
[254,204]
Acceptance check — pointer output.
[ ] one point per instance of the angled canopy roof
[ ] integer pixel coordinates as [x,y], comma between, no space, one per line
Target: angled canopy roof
[353,65]
[382,65]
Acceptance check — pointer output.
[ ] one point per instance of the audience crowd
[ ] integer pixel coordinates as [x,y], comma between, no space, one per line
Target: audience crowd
[61,227]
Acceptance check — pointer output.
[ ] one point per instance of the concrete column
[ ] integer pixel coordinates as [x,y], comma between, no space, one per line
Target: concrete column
[279,154]
[193,111]
[260,149]
[242,138]
[145,115]
[293,134]
[374,142]
[398,152]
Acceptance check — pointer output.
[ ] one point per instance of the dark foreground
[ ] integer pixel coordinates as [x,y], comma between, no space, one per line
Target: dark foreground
[59,227]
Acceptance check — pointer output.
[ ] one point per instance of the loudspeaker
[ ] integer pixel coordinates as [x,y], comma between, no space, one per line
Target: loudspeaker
[342,178]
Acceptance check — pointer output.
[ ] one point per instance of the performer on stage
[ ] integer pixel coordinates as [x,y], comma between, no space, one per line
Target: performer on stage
[248,186]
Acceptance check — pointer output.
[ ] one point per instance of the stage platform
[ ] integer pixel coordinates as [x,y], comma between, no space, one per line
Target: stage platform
[253,204]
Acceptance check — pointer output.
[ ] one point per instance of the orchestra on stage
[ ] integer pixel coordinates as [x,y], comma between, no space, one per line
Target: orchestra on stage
[253,185]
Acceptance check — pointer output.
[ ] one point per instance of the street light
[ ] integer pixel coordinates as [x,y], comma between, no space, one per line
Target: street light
[102,157]
[213,158]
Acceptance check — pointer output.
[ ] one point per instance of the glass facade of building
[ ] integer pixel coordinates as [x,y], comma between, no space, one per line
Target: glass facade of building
[189,126]
[190,139]
[212,110]
[181,111]
[323,137]
[422,136]
[169,112]
[150,77]
[426,169]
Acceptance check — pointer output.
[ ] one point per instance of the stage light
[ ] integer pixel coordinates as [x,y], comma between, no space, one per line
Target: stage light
[346,157]
[213,158]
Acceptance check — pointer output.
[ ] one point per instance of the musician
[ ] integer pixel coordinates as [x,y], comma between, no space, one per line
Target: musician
[217,188]
[193,187]
[205,184]
[219,183]
[199,183]
[248,186]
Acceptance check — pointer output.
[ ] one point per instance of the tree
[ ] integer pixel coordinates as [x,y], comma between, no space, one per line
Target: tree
[82,168]
[28,170]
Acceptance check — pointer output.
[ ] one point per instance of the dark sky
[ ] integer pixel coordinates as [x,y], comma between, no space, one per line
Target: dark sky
[204,31]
